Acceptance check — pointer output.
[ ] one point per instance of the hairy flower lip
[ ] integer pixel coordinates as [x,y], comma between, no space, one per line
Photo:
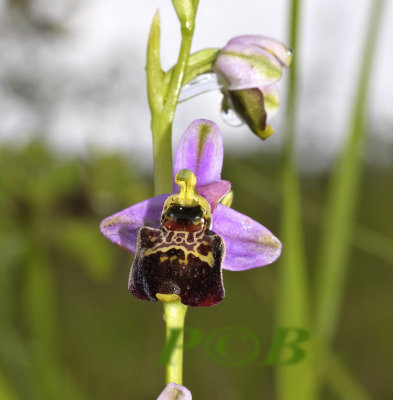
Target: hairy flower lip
[248,243]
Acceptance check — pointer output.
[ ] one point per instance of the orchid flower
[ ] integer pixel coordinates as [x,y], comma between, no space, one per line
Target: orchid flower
[174,391]
[248,68]
[181,241]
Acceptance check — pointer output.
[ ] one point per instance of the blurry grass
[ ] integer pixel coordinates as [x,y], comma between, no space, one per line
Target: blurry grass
[45,204]
[342,383]
[6,392]
[364,238]
[341,205]
[293,296]
[345,384]
[294,303]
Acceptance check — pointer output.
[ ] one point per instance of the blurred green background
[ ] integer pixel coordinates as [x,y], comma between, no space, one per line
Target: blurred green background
[69,328]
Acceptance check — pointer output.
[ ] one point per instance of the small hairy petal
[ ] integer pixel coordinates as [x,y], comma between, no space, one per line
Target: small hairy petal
[214,192]
[248,243]
[201,151]
[173,391]
[122,227]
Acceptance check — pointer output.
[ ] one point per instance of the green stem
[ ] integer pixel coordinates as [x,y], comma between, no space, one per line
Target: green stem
[296,381]
[342,200]
[199,63]
[162,155]
[162,118]
[175,313]
[163,96]
[6,390]
[342,383]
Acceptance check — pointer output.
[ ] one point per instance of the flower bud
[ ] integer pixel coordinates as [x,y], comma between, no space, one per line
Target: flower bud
[252,61]
[248,67]
[173,391]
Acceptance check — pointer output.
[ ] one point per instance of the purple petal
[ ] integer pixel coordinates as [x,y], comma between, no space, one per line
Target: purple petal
[252,61]
[248,243]
[240,73]
[122,227]
[201,151]
[280,50]
[173,391]
[214,192]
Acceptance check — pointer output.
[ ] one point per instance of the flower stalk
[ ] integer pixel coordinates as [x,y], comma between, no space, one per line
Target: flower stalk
[163,93]
[163,98]
[175,313]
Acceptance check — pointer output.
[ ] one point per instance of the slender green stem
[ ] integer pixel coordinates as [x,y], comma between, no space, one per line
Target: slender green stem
[342,383]
[199,63]
[163,93]
[342,200]
[6,390]
[162,155]
[162,117]
[175,313]
[41,320]
[296,381]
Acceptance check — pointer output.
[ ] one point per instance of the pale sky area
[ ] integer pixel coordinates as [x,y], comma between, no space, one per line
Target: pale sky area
[85,88]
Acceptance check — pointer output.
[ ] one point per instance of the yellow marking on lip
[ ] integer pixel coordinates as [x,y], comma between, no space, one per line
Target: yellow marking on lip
[209,259]
[167,297]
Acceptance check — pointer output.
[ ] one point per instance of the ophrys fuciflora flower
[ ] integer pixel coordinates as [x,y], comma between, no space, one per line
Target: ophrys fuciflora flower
[182,241]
